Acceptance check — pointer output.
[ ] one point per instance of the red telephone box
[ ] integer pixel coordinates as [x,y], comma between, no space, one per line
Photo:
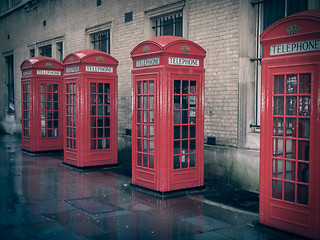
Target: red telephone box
[90,82]
[167,114]
[290,125]
[41,104]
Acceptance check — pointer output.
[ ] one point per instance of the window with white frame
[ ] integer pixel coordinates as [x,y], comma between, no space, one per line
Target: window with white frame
[46,51]
[101,41]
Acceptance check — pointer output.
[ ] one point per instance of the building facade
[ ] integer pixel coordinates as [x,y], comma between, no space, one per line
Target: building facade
[228,30]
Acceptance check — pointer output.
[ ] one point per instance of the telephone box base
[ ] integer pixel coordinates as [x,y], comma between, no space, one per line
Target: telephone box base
[91,168]
[42,153]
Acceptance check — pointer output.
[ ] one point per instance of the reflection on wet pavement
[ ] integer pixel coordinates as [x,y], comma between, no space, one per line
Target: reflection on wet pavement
[41,199]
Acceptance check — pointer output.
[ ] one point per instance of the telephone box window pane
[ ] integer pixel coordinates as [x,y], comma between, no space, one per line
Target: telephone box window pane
[177,117]
[277,189]
[185,146]
[304,128]
[107,110]
[192,160]
[145,146]
[139,130]
[151,161]
[151,132]
[100,87]
[304,106]
[305,83]
[177,87]
[184,117]
[303,150]
[139,87]
[177,132]
[302,194]
[92,88]
[277,168]
[43,97]
[185,132]
[303,172]
[176,147]
[145,87]
[290,148]
[291,106]
[145,131]
[278,106]
[292,84]
[289,191]
[192,131]
[185,87]
[290,170]
[139,117]
[192,146]
[151,147]
[145,160]
[184,102]
[107,88]
[151,102]
[184,161]
[107,99]
[145,116]
[177,102]
[279,84]
[277,126]
[151,87]
[291,127]
[139,145]
[107,132]
[145,102]
[193,102]
[176,162]
[151,116]
[277,147]
[139,159]
[193,88]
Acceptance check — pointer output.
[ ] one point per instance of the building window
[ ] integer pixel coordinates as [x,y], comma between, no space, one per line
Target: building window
[45,51]
[60,51]
[168,25]
[274,10]
[10,83]
[101,41]
[32,53]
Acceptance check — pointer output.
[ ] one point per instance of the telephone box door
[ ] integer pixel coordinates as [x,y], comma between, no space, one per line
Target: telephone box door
[291,148]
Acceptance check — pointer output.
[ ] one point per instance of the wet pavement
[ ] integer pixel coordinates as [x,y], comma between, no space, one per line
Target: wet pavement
[41,199]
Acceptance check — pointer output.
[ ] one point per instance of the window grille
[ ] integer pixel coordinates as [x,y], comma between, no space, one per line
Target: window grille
[101,41]
[45,51]
[168,25]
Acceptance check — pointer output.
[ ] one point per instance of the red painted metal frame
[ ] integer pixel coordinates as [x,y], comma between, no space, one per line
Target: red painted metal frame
[51,72]
[78,150]
[276,211]
[162,176]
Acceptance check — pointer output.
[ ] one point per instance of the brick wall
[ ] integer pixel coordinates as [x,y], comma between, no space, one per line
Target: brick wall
[212,24]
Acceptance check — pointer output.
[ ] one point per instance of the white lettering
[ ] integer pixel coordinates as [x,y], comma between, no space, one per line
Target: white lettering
[72,69]
[184,61]
[99,69]
[48,72]
[295,47]
[147,62]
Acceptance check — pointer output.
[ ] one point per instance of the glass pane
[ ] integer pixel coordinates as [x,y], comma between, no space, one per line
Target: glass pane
[192,146]
[139,159]
[185,102]
[184,161]
[176,147]
[291,149]
[177,102]
[145,102]
[176,162]
[303,150]
[139,102]
[193,88]
[291,127]
[139,130]
[185,132]
[193,117]
[185,87]
[192,131]
[305,83]
[177,117]
[290,170]
[177,87]
[302,194]
[277,189]
[151,87]
[303,172]
[151,147]
[107,88]
[145,116]
[43,97]
[107,132]
[139,145]
[292,84]
[107,99]
[145,160]
[277,168]
[177,132]
[107,122]
[277,126]
[304,128]
[139,116]
[193,102]
[145,146]
[145,87]
[278,106]
[185,146]
[304,106]
[291,106]
[192,160]
[100,87]
[151,132]
[279,84]
[151,161]
[184,117]
[151,102]
[55,97]
[100,122]
[107,110]
[151,116]
[139,87]
[277,147]
[289,191]
[92,87]
[43,88]
[145,131]
[100,132]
